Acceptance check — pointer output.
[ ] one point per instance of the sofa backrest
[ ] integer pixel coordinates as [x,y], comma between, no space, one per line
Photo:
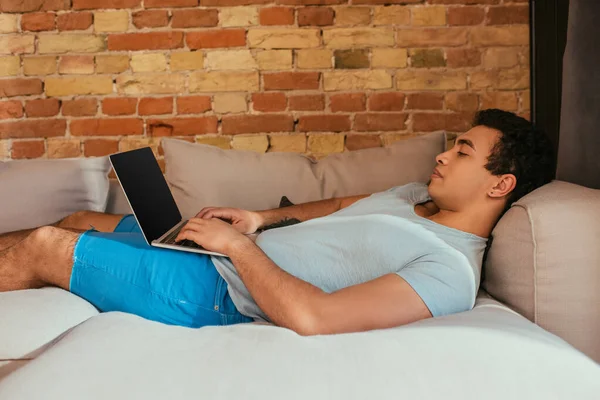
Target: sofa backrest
[544,262]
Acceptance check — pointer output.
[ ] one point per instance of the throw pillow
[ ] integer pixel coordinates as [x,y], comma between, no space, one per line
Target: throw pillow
[41,192]
[202,176]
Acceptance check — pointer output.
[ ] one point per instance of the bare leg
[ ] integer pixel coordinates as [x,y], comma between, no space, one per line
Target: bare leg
[80,220]
[44,258]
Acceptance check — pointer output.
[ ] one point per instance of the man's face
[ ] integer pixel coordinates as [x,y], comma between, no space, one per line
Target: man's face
[464,180]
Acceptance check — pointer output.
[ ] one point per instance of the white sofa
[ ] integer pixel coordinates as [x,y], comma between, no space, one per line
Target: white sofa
[54,345]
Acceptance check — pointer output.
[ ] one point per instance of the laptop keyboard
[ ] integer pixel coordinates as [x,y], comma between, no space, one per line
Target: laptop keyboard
[185,243]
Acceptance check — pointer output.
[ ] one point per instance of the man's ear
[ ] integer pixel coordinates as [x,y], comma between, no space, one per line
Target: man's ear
[503,186]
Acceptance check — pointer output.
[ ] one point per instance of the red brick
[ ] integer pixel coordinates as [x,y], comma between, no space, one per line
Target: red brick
[307,102]
[382,1]
[42,107]
[11,109]
[156,106]
[170,3]
[464,1]
[74,21]
[456,58]
[392,101]
[357,142]
[150,19]
[291,80]
[226,3]
[236,124]
[348,102]
[28,149]
[215,39]
[456,122]
[118,105]
[107,126]
[182,126]
[20,87]
[36,22]
[329,123]
[95,4]
[380,122]
[194,18]
[80,107]
[462,101]
[145,41]
[315,16]
[33,5]
[193,104]
[465,15]
[269,102]
[277,16]
[33,128]
[508,15]
[100,147]
[327,2]
[425,101]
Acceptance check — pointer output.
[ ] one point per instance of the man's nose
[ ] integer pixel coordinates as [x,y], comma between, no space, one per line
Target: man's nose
[441,158]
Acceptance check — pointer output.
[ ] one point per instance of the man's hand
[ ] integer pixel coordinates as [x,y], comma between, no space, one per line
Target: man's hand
[243,221]
[212,234]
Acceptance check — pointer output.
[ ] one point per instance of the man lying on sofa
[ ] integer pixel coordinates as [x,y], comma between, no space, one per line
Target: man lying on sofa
[352,264]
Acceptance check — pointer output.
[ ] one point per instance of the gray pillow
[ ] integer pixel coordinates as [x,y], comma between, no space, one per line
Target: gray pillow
[41,192]
[200,175]
[545,262]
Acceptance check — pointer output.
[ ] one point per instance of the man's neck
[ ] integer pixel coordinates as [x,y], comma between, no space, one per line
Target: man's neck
[480,224]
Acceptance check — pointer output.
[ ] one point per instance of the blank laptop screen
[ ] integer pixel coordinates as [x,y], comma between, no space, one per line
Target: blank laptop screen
[147,191]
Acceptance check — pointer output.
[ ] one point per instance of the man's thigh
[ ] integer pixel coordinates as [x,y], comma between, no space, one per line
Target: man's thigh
[84,220]
[120,272]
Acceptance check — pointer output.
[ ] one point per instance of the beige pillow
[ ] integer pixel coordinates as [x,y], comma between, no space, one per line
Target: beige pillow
[544,262]
[201,175]
[41,192]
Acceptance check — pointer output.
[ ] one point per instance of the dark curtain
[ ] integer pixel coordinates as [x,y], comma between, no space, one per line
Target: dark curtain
[579,143]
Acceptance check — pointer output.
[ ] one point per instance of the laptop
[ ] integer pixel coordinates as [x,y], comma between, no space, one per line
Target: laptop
[151,200]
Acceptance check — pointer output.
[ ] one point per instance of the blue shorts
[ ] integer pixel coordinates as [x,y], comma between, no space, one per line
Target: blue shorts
[119,271]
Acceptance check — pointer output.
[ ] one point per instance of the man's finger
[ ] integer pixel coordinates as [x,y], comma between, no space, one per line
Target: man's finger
[191,226]
[204,211]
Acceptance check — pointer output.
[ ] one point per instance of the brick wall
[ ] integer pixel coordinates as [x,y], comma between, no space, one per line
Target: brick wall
[85,78]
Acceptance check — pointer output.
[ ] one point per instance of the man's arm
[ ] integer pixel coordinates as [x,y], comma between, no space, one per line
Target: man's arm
[306,211]
[295,304]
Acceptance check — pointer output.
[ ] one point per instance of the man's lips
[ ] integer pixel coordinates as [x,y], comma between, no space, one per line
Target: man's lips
[436,174]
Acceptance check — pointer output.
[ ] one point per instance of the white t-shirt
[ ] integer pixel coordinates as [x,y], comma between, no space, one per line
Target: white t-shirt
[374,236]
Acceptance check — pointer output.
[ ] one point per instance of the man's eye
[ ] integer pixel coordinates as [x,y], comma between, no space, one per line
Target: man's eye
[461,154]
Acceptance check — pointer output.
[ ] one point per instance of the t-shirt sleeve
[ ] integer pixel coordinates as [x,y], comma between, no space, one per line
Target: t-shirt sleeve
[445,282]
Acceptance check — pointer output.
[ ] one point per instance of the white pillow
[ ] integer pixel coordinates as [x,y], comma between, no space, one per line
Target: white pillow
[41,192]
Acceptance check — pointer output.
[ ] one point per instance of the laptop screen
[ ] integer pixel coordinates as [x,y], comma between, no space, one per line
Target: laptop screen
[147,191]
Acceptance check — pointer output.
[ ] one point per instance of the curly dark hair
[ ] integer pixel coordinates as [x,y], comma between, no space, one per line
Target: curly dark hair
[522,150]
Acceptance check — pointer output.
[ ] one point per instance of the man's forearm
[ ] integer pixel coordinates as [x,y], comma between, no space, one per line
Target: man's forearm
[302,212]
[287,300]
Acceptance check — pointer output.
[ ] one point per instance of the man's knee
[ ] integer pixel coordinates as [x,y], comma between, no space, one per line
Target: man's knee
[45,234]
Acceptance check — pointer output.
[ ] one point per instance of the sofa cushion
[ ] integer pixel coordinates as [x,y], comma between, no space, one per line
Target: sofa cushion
[31,319]
[489,352]
[544,262]
[201,175]
[41,192]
